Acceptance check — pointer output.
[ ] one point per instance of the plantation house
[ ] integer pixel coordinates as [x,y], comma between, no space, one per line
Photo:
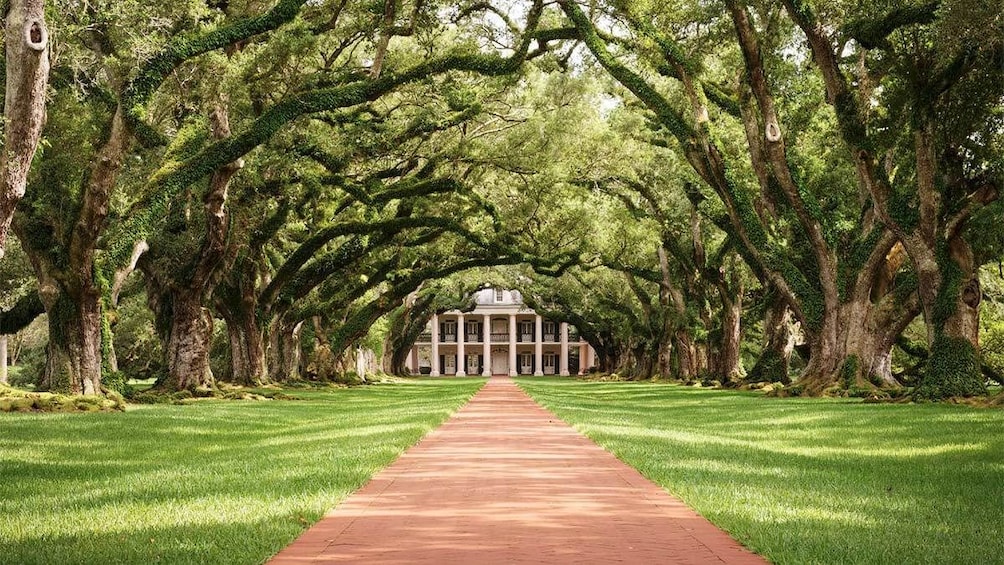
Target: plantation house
[501,336]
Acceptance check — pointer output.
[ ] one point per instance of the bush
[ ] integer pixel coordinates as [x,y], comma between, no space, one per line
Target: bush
[23,376]
[116,381]
[992,346]
[138,348]
[13,400]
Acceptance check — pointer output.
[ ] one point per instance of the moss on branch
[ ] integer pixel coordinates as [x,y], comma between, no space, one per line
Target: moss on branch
[24,312]
[667,115]
[871,33]
[187,46]
[171,181]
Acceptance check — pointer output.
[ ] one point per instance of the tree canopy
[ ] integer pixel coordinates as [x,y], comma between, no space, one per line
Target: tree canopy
[735,192]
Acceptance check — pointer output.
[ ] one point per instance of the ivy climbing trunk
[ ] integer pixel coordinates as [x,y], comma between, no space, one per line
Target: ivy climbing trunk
[727,366]
[775,359]
[73,354]
[951,297]
[854,348]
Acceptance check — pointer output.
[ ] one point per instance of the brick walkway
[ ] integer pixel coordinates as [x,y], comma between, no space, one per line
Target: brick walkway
[505,481]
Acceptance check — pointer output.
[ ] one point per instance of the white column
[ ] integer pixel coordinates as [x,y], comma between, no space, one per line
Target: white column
[461,330]
[415,368]
[3,359]
[563,361]
[590,356]
[486,338]
[538,348]
[583,358]
[512,345]
[435,346]
[360,363]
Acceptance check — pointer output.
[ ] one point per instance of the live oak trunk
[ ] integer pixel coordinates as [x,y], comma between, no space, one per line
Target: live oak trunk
[187,344]
[727,366]
[951,297]
[247,350]
[284,352]
[931,224]
[73,354]
[854,347]
[27,58]
[186,324]
[774,361]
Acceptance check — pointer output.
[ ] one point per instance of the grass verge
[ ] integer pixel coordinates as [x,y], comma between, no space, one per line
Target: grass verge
[213,482]
[805,481]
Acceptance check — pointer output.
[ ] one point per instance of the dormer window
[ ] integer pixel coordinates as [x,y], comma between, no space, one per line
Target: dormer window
[498,295]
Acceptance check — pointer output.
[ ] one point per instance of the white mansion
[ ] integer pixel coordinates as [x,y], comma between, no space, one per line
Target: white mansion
[501,336]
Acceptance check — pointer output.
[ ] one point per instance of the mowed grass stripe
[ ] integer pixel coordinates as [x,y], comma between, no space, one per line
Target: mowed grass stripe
[212,482]
[804,481]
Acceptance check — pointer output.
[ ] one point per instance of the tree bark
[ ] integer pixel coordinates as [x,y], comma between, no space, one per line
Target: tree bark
[951,297]
[775,358]
[284,352]
[187,344]
[73,354]
[27,56]
[728,367]
[247,350]
[687,362]
[856,347]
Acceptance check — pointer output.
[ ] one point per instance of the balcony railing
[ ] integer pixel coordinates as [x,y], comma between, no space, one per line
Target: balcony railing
[473,338]
[524,338]
[500,337]
[448,338]
[550,337]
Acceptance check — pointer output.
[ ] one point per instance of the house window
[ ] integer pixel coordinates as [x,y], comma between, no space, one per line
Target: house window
[450,330]
[498,295]
[472,331]
[472,362]
[549,331]
[526,330]
[549,363]
[525,363]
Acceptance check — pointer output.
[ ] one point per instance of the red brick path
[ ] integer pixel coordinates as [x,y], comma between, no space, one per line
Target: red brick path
[505,481]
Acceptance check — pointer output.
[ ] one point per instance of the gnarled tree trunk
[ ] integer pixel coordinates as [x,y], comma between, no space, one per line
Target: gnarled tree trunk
[27,57]
[73,354]
[187,343]
[727,366]
[775,359]
[284,352]
[247,350]
[951,297]
[855,347]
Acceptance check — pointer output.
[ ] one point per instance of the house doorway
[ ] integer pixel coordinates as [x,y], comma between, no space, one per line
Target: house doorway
[500,362]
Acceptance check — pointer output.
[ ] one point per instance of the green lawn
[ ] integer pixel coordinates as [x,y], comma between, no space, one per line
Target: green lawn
[805,481]
[207,483]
